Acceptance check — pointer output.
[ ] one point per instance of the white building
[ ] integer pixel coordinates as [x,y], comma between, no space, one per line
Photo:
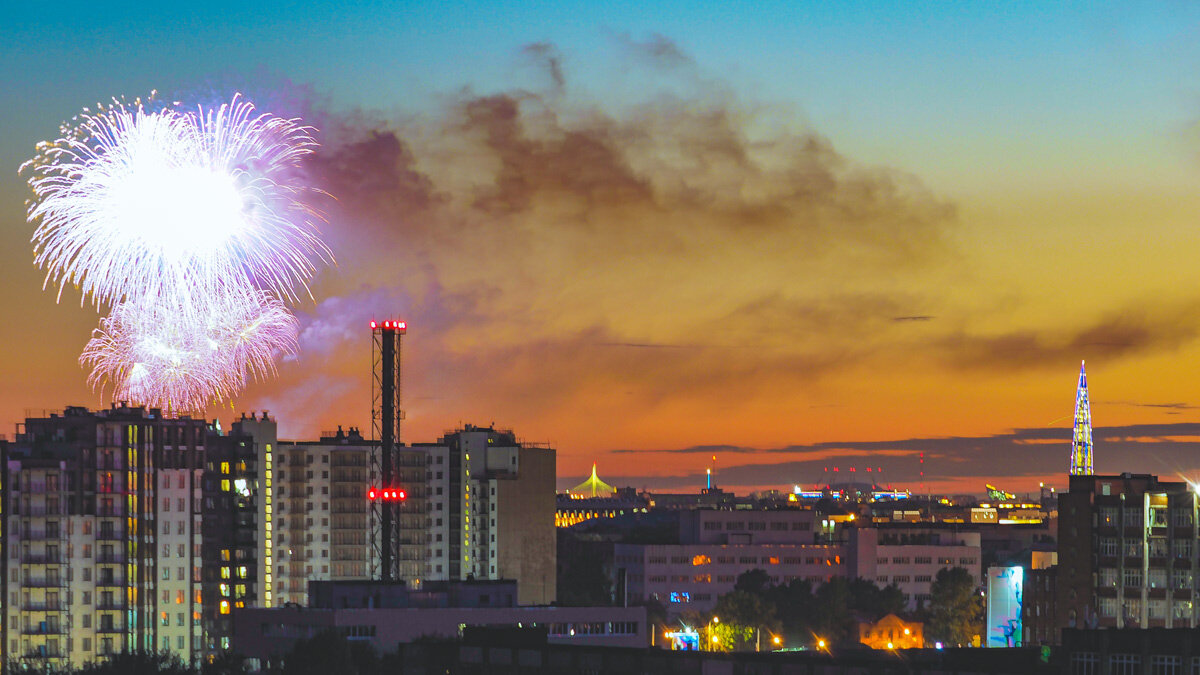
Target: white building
[911,557]
[692,576]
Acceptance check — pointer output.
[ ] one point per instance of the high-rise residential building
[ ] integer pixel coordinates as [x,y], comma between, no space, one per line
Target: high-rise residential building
[1127,553]
[314,521]
[491,509]
[231,491]
[102,536]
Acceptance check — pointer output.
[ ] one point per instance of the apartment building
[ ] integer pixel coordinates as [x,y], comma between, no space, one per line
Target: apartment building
[1127,553]
[315,520]
[231,490]
[102,546]
[491,511]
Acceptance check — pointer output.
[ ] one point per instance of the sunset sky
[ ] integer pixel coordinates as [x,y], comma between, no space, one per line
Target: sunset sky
[793,235]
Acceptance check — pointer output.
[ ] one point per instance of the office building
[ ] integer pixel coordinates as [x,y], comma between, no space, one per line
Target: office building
[910,557]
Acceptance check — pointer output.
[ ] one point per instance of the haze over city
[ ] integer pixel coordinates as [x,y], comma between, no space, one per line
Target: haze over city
[792,237]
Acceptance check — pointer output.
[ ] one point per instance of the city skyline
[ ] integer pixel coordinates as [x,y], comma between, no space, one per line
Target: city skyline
[793,237]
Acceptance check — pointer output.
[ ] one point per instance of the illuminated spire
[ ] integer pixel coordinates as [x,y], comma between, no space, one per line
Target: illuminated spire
[1081,443]
[593,486]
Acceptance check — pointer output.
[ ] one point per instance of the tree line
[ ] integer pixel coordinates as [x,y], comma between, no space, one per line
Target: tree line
[802,614]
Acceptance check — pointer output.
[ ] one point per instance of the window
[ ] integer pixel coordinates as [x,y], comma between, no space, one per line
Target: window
[1158,548]
[1124,664]
[1181,548]
[1166,664]
[1133,577]
[1181,609]
[1108,577]
[1133,518]
[1108,516]
[1108,607]
[1181,579]
[1156,608]
[1108,546]
[1181,517]
[1157,578]
[1085,663]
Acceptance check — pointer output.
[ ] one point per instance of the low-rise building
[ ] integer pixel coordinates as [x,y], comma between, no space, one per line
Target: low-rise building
[892,632]
[692,576]
[910,557]
[267,635]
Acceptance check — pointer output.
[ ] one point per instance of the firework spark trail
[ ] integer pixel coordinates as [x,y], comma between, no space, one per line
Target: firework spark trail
[185,355]
[135,202]
[192,226]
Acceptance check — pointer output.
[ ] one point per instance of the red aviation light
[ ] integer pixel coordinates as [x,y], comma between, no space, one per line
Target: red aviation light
[372,325]
[386,494]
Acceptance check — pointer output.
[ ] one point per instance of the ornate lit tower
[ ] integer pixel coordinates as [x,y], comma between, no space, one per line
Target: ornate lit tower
[1081,444]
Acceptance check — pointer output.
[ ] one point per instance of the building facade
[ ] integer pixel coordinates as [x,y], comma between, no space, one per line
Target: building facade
[231,489]
[492,508]
[911,557]
[1127,553]
[690,577]
[103,531]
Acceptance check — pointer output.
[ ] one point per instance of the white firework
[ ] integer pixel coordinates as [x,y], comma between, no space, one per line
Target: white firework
[179,354]
[193,226]
[134,202]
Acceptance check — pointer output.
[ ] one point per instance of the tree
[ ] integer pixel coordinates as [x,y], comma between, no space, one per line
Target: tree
[955,608]
[755,581]
[742,615]
[139,663]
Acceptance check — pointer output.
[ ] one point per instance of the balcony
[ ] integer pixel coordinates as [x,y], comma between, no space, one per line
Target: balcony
[43,654]
[117,605]
[110,559]
[45,582]
[102,582]
[41,535]
[42,606]
[41,559]
[43,629]
[109,630]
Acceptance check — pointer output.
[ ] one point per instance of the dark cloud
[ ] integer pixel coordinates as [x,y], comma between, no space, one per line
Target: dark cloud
[918,317]
[548,57]
[1137,404]
[656,50]
[1132,330]
[667,250]
[1166,449]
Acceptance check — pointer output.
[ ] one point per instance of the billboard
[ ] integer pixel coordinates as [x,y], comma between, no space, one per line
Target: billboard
[1003,627]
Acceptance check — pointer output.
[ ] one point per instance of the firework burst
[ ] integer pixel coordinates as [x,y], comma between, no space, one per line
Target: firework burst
[133,202]
[193,226]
